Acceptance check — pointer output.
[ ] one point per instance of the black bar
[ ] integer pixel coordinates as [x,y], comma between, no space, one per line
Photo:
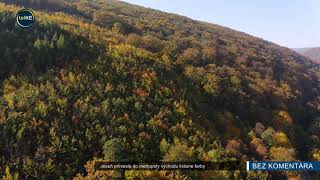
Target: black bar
[227,165]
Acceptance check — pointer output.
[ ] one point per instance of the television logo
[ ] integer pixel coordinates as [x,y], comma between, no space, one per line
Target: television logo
[25,18]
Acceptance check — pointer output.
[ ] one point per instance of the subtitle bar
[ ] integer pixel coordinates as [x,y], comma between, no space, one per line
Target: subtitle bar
[228,165]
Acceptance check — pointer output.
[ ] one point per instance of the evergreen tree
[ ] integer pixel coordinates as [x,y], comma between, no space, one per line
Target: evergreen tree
[61,42]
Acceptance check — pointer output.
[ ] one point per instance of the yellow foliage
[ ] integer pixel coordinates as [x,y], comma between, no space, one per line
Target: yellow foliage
[262,150]
[9,176]
[179,151]
[316,154]
[131,53]
[282,154]
[108,87]
[209,53]
[212,84]
[9,99]
[283,91]
[72,77]
[149,77]
[145,174]
[281,139]
[166,60]
[284,115]
[282,120]
[256,142]
[42,108]
[93,173]
[180,108]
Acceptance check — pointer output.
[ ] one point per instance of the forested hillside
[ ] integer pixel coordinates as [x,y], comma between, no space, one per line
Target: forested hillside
[312,53]
[106,80]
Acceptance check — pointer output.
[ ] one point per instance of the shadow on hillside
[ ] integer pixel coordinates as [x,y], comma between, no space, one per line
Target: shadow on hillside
[33,51]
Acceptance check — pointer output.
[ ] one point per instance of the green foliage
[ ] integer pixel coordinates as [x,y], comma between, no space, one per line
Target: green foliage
[61,42]
[179,152]
[118,28]
[267,135]
[47,4]
[112,150]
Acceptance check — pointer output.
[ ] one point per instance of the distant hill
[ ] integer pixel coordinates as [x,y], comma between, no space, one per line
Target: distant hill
[312,53]
[104,80]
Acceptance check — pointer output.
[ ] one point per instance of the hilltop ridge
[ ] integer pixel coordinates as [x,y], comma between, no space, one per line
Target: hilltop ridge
[312,53]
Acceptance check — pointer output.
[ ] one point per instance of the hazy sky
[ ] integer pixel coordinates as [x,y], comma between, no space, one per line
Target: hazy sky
[291,23]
